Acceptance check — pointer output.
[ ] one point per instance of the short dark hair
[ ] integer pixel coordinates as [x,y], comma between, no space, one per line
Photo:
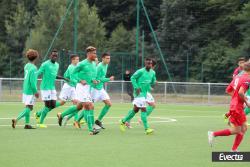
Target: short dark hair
[105,54]
[54,50]
[73,56]
[32,54]
[148,59]
[241,59]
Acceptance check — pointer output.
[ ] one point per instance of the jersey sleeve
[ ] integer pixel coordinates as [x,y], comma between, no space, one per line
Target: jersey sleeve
[100,75]
[74,76]
[33,80]
[134,78]
[41,70]
[153,80]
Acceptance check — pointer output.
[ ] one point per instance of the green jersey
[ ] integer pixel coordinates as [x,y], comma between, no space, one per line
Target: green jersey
[85,70]
[68,74]
[30,79]
[101,75]
[143,79]
[49,71]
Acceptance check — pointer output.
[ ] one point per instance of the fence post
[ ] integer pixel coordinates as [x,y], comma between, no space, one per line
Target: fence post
[209,93]
[0,89]
[165,92]
[122,92]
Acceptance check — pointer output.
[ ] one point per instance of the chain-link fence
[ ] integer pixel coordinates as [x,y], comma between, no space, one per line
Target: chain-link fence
[164,92]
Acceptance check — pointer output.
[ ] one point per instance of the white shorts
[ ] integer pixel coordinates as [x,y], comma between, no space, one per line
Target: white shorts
[140,102]
[48,95]
[28,99]
[83,93]
[150,98]
[99,95]
[67,93]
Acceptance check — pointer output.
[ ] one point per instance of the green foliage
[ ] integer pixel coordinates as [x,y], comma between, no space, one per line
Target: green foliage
[90,30]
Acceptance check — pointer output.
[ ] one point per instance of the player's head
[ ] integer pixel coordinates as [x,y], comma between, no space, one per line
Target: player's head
[106,58]
[127,72]
[148,63]
[91,53]
[246,66]
[54,55]
[241,62]
[32,55]
[74,59]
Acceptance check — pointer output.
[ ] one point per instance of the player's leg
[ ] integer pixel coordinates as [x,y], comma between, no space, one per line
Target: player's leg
[89,111]
[128,117]
[243,128]
[45,110]
[72,109]
[104,110]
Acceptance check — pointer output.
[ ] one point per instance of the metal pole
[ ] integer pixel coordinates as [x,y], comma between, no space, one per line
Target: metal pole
[157,43]
[76,4]
[137,31]
[209,93]
[187,67]
[59,29]
[142,49]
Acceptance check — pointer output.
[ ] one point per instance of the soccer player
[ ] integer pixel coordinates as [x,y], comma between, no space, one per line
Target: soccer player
[238,120]
[85,75]
[68,92]
[98,93]
[149,99]
[142,80]
[49,70]
[239,69]
[29,89]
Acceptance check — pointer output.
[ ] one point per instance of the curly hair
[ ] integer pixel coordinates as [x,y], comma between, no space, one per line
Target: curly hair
[32,54]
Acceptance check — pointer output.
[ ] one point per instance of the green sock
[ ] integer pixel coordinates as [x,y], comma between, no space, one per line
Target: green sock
[21,114]
[39,113]
[149,110]
[44,114]
[76,116]
[90,119]
[144,120]
[104,111]
[58,104]
[27,116]
[129,116]
[71,115]
[81,115]
[70,110]
[247,110]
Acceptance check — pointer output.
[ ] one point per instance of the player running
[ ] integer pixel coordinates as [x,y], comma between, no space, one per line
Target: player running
[29,89]
[149,99]
[49,70]
[238,120]
[85,75]
[98,92]
[142,80]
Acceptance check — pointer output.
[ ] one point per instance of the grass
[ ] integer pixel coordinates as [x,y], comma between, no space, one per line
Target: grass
[177,144]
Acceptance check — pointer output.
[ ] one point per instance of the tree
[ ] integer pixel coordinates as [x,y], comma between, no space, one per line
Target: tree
[90,31]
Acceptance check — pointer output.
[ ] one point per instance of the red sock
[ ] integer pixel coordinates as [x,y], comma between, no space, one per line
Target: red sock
[237,141]
[225,132]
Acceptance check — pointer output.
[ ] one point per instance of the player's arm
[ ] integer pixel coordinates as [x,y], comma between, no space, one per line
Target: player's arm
[101,76]
[60,77]
[230,90]
[41,70]
[74,76]
[33,82]
[242,95]
[134,78]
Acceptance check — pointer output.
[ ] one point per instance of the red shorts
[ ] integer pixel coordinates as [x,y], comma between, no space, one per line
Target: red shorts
[237,118]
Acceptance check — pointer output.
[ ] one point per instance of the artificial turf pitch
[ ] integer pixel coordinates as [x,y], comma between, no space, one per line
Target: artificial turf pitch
[180,139]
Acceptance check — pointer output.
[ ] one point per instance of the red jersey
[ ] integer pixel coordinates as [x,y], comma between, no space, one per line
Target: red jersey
[237,103]
[236,71]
